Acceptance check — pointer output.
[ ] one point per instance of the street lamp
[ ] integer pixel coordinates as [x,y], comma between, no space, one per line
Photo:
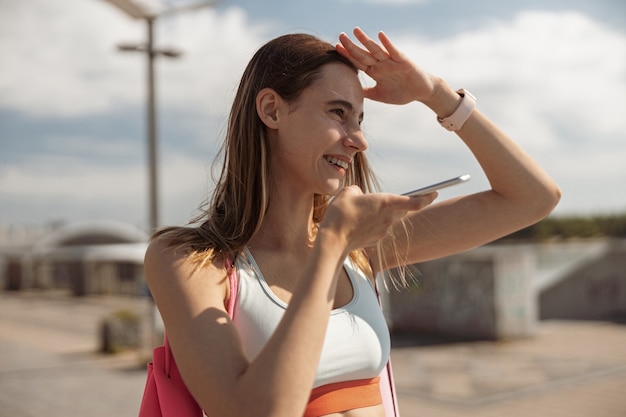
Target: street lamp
[138,11]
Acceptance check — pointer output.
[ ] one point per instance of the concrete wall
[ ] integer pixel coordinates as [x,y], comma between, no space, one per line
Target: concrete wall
[594,291]
[483,293]
[499,292]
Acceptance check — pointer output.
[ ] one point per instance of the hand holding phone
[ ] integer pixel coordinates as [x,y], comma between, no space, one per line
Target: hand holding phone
[438,186]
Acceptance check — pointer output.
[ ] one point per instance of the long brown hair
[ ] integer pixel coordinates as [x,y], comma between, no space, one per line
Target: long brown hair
[288,65]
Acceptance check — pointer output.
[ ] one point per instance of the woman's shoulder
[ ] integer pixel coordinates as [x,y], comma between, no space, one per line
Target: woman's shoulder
[166,258]
[162,251]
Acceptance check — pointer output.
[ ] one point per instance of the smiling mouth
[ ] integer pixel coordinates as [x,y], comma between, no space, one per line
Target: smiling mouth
[338,162]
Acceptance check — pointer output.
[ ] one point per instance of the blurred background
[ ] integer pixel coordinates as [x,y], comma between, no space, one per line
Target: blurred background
[111,113]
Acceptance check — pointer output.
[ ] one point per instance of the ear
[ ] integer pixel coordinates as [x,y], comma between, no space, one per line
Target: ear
[267,103]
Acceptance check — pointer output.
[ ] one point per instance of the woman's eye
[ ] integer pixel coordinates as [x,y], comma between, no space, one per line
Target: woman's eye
[338,112]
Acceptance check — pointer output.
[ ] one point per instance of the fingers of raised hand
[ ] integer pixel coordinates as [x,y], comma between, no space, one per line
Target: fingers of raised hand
[376,51]
[362,58]
[393,52]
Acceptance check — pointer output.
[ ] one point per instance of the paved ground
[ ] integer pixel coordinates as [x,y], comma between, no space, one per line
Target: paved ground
[49,366]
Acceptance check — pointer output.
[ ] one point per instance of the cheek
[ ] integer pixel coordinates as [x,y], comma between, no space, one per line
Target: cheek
[309,138]
[296,146]
[309,134]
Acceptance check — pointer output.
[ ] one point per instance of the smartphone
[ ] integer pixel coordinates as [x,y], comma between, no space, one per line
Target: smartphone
[439,185]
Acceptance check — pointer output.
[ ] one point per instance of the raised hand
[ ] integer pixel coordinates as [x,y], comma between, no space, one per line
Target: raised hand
[398,79]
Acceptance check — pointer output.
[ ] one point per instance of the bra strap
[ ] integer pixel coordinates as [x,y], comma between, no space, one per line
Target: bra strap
[233,282]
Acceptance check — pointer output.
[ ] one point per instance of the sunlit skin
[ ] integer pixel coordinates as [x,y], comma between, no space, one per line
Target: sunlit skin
[308,138]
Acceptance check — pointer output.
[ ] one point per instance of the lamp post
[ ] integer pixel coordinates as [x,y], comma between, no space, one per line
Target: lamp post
[151,53]
[140,12]
[137,11]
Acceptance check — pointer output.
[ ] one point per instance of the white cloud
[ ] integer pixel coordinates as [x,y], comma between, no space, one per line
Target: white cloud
[388,2]
[216,50]
[60,59]
[48,187]
[78,72]
[63,59]
[553,81]
[69,178]
[537,71]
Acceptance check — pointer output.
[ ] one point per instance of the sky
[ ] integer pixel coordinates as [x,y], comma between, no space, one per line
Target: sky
[73,145]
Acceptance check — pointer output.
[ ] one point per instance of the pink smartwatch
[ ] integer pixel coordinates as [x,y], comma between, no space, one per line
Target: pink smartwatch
[457,119]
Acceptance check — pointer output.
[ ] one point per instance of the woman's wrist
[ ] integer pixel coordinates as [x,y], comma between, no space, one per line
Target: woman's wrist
[332,240]
[444,100]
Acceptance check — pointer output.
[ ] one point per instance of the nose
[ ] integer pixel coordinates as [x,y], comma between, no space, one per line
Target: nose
[355,139]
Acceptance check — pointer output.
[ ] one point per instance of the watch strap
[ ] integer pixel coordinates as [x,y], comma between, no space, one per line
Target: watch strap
[457,119]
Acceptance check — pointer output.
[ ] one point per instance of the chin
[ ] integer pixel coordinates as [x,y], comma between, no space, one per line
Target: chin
[331,187]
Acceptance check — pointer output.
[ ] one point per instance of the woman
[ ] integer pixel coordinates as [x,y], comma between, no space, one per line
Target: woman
[294,209]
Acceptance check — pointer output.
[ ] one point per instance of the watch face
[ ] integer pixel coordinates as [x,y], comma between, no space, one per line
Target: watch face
[462,92]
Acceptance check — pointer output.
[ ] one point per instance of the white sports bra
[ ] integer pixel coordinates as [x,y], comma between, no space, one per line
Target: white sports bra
[357,343]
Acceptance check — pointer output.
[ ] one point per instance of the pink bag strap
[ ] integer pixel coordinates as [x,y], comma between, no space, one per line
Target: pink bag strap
[168,354]
[387,386]
[230,308]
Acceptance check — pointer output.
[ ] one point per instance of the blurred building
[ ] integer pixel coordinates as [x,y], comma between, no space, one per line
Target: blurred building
[491,292]
[95,257]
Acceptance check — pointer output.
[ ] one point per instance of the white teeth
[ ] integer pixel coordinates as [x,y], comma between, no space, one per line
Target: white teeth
[337,162]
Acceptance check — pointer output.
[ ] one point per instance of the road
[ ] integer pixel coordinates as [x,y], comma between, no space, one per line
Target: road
[50,366]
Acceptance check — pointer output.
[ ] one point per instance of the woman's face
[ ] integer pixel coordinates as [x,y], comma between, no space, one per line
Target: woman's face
[319,134]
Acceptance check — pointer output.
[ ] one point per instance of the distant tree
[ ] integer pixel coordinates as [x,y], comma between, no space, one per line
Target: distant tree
[568,227]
